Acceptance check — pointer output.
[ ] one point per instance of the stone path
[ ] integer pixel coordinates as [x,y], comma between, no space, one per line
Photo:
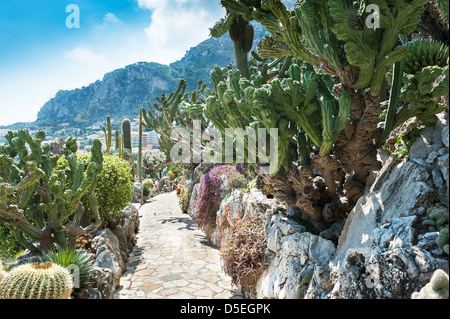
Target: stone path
[172,258]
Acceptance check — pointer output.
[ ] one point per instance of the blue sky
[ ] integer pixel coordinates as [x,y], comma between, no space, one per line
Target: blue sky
[39,55]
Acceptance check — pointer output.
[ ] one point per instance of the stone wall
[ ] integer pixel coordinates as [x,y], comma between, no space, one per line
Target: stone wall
[112,250]
[380,251]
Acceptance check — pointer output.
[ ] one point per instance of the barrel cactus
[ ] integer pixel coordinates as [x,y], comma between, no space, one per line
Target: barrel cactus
[37,281]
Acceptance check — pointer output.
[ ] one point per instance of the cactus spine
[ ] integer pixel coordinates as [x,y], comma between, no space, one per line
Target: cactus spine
[37,281]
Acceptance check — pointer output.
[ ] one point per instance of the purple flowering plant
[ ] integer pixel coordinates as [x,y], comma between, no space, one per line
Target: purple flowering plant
[212,189]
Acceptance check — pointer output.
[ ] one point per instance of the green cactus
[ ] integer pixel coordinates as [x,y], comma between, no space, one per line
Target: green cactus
[119,144]
[438,221]
[37,281]
[442,240]
[437,288]
[37,197]
[108,135]
[126,131]
[423,53]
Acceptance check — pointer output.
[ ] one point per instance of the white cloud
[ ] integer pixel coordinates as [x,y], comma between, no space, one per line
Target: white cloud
[174,27]
[177,25]
[111,19]
[85,55]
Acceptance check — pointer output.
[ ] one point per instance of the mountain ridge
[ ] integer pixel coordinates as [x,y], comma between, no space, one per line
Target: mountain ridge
[122,92]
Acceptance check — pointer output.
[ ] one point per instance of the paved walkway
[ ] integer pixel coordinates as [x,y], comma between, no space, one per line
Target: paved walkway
[172,258]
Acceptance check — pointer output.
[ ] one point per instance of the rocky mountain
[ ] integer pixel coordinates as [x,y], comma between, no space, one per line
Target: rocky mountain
[122,92]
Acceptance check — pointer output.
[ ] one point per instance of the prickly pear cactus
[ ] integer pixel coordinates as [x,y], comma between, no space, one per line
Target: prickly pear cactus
[437,288]
[37,281]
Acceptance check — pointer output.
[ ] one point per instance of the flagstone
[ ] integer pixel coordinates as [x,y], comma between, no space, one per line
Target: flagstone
[171,260]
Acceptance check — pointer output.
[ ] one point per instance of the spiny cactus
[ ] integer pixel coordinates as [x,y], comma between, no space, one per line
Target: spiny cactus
[437,288]
[38,198]
[126,131]
[423,53]
[108,135]
[37,281]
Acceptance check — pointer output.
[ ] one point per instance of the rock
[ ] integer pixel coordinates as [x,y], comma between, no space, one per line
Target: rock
[193,201]
[104,282]
[109,254]
[138,193]
[443,163]
[123,241]
[106,259]
[401,189]
[445,136]
[427,241]
[333,232]
[381,274]
[237,205]
[395,233]
[294,256]
[89,293]
[129,220]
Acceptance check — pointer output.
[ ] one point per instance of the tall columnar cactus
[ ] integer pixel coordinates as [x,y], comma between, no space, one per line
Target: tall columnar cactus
[40,200]
[119,144]
[37,281]
[108,135]
[126,131]
[241,33]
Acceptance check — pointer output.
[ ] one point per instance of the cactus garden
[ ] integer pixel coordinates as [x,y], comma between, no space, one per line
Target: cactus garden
[315,164]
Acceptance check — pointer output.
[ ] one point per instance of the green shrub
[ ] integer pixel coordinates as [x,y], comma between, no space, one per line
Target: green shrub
[115,185]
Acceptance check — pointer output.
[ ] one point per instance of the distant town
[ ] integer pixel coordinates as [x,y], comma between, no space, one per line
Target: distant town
[85,136]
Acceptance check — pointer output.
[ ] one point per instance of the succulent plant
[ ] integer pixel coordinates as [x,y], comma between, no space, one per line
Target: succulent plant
[437,288]
[82,262]
[37,281]
[423,53]
[40,198]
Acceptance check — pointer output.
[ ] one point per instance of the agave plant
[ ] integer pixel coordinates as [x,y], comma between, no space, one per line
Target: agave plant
[79,261]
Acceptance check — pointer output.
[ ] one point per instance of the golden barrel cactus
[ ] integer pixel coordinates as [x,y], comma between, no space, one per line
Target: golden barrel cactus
[37,281]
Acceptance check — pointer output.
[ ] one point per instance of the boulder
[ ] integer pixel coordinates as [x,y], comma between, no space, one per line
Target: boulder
[106,259]
[193,201]
[294,255]
[138,193]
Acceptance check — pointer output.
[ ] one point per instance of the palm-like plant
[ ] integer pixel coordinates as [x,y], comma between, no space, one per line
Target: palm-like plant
[79,260]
